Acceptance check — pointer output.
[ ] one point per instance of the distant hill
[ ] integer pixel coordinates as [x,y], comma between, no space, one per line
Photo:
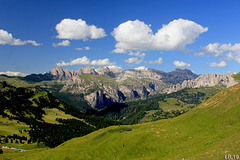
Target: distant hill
[210,131]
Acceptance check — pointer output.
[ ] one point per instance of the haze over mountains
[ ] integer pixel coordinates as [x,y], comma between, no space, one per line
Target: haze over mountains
[103,86]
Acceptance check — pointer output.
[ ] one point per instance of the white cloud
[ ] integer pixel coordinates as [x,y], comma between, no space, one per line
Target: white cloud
[136,35]
[79,61]
[87,48]
[137,54]
[224,51]
[133,60]
[181,64]
[84,48]
[220,65]
[7,38]
[119,50]
[78,30]
[63,43]
[114,67]
[9,73]
[141,68]
[101,62]
[86,61]
[158,61]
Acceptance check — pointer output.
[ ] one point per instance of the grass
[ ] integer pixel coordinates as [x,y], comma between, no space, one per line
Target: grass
[50,86]
[173,104]
[10,127]
[24,146]
[237,76]
[168,105]
[208,131]
[98,78]
[209,91]
[52,114]
[139,82]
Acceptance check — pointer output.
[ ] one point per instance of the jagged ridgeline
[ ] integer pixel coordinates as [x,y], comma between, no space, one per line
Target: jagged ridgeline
[32,115]
[209,131]
[89,88]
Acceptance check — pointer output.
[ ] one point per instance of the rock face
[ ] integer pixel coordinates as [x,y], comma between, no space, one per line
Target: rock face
[207,80]
[104,86]
[90,70]
[177,76]
[103,70]
[61,74]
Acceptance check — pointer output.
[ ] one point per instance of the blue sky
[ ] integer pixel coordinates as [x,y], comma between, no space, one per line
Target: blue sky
[200,35]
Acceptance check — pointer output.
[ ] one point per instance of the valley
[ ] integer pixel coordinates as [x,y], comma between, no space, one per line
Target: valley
[209,131]
[34,120]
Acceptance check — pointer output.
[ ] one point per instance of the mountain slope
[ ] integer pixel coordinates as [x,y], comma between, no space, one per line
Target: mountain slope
[32,115]
[209,131]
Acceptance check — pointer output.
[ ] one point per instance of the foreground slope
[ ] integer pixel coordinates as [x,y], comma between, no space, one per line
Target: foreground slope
[209,131]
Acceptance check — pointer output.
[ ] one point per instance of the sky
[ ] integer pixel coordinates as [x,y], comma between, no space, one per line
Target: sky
[200,35]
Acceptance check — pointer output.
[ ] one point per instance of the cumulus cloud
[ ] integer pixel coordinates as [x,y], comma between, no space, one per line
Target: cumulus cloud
[136,35]
[86,61]
[141,68]
[220,65]
[63,43]
[7,38]
[158,61]
[224,51]
[78,30]
[84,48]
[119,50]
[181,64]
[115,67]
[101,62]
[9,73]
[137,54]
[133,60]
[79,61]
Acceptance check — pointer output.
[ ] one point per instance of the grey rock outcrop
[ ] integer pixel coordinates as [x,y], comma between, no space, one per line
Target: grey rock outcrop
[61,74]
[96,99]
[176,76]
[103,70]
[207,80]
[89,70]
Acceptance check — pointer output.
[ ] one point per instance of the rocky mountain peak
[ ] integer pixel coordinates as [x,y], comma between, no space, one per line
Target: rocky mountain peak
[58,72]
[89,70]
[103,70]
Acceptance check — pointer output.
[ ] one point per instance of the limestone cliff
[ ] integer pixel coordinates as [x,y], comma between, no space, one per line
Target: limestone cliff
[207,80]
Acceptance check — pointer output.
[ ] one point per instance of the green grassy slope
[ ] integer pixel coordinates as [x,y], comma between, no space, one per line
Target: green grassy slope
[237,76]
[209,131]
[11,126]
[50,86]
[30,116]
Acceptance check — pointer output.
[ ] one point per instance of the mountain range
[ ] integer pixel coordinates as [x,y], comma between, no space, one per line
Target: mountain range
[103,86]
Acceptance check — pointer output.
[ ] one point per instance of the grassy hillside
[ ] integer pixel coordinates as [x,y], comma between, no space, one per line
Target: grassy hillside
[237,76]
[29,115]
[50,86]
[209,131]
